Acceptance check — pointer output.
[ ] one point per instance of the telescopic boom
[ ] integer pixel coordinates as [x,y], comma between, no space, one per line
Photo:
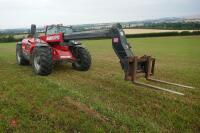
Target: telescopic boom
[132,65]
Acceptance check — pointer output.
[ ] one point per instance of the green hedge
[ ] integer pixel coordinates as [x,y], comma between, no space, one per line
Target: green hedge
[11,38]
[171,26]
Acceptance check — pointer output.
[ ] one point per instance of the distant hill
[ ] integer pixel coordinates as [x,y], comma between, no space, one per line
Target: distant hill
[174,23]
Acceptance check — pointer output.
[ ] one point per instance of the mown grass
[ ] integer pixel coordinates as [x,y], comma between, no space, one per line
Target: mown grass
[101,101]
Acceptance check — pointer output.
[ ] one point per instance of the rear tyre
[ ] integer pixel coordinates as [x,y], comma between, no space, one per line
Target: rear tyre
[42,61]
[83,62]
[19,56]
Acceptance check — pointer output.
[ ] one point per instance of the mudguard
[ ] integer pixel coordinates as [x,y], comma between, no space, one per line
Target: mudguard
[75,48]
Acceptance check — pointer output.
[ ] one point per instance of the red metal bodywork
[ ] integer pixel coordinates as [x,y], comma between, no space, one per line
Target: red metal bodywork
[59,52]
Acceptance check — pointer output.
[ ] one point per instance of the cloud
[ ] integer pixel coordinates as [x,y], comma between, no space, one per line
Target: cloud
[22,13]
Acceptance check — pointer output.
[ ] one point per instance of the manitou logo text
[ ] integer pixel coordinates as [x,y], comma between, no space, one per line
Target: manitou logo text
[50,38]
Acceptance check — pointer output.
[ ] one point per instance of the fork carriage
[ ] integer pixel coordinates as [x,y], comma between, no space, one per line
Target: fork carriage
[144,67]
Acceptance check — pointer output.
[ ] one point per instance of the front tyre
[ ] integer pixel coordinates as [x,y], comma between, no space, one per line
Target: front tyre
[19,55]
[42,61]
[83,61]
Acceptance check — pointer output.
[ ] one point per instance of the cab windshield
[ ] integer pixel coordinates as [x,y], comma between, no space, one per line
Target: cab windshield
[57,29]
[65,30]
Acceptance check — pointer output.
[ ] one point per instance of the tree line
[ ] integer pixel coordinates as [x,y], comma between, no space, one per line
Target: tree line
[9,38]
[171,26]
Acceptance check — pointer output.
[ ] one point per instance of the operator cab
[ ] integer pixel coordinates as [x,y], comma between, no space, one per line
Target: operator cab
[54,34]
[56,29]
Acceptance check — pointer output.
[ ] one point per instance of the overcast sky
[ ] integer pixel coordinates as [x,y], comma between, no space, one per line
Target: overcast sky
[22,13]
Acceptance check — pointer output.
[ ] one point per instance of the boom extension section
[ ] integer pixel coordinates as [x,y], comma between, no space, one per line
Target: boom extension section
[132,65]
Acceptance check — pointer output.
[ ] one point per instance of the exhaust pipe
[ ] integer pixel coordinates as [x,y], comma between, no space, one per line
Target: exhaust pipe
[33,30]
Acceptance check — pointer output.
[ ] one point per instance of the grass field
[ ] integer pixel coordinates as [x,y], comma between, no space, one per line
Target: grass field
[100,100]
[144,31]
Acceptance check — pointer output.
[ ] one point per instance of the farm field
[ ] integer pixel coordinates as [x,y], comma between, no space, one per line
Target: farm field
[100,100]
[144,31]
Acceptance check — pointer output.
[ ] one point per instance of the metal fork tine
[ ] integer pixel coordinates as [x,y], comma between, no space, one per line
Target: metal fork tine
[170,83]
[157,87]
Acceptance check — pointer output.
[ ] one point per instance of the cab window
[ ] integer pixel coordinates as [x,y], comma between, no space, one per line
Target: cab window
[65,30]
[51,30]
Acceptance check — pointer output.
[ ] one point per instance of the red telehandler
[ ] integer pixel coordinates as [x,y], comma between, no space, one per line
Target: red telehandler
[60,44]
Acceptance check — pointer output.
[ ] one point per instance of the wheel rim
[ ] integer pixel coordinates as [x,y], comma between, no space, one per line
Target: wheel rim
[18,57]
[78,62]
[37,63]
